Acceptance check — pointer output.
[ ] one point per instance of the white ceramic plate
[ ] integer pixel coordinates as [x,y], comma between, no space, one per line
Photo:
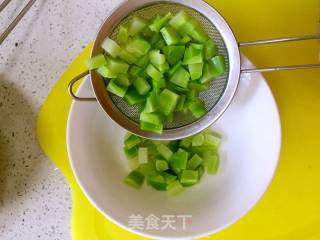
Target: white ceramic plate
[249,156]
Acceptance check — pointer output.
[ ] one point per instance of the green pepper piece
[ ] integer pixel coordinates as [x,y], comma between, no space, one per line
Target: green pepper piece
[133,97]
[181,78]
[141,85]
[158,23]
[134,179]
[149,127]
[95,62]
[116,89]
[210,49]
[174,53]
[167,101]
[170,35]
[189,177]
[194,162]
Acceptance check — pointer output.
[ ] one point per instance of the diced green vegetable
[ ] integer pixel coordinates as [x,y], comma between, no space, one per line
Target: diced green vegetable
[201,171]
[197,108]
[117,66]
[158,23]
[161,165]
[135,71]
[96,62]
[133,163]
[195,70]
[185,142]
[181,78]
[193,54]
[151,104]
[174,53]
[156,57]
[149,127]
[212,140]
[133,97]
[127,57]
[116,89]
[105,72]
[179,160]
[164,151]
[162,67]
[197,86]
[153,118]
[185,39]
[167,101]
[123,34]
[174,68]
[169,178]
[137,25]
[189,177]
[181,102]
[143,61]
[157,182]
[141,85]
[146,169]
[153,72]
[194,162]
[122,80]
[111,47]
[174,188]
[212,164]
[143,155]
[219,65]
[131,152]
[198,140]
[132,141]
[134,179]
[210,49]
[179,20]
[138,47]
[170,36]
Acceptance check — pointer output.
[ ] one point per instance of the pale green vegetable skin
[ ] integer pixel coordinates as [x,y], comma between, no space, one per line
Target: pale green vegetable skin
[171,165]
[161,64]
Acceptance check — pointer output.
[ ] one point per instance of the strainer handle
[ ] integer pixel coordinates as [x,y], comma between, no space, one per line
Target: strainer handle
[279,40]
[70,88]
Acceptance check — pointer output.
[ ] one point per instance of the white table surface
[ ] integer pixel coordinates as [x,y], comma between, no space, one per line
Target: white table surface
[35,199]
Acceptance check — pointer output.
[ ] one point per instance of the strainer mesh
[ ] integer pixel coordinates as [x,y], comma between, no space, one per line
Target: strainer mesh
[210,96]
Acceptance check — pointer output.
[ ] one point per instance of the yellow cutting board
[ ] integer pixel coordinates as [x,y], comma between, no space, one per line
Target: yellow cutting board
[290,209]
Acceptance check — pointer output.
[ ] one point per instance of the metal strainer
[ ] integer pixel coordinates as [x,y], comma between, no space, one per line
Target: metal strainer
[216,98]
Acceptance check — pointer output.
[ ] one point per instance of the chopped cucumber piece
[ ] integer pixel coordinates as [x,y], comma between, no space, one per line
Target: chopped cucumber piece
[153,72]
[198,140]
[161,165]
[179,160]
[122,80]
[157,182]
[174,188]
[117,66]
[147,169]
[170,36]
[116,89]
[210,49]
[96,62]
[164,151]
[141,85]
[167,101]
[158,23]
[131,152]
[174,53]
[123,34]
[111,47]
[212,140]
[189,177]
[153,118]
[134,179]
[179,20]
[133,97]
[193,54]
[143,155]
[138,47]
[169,178]
[105,72]
[156,57]
[137,25]
[127,57]
[149,127]
[197,108]
[194,162]
[132,141]
[195,70]
[212,164]
[180,77]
